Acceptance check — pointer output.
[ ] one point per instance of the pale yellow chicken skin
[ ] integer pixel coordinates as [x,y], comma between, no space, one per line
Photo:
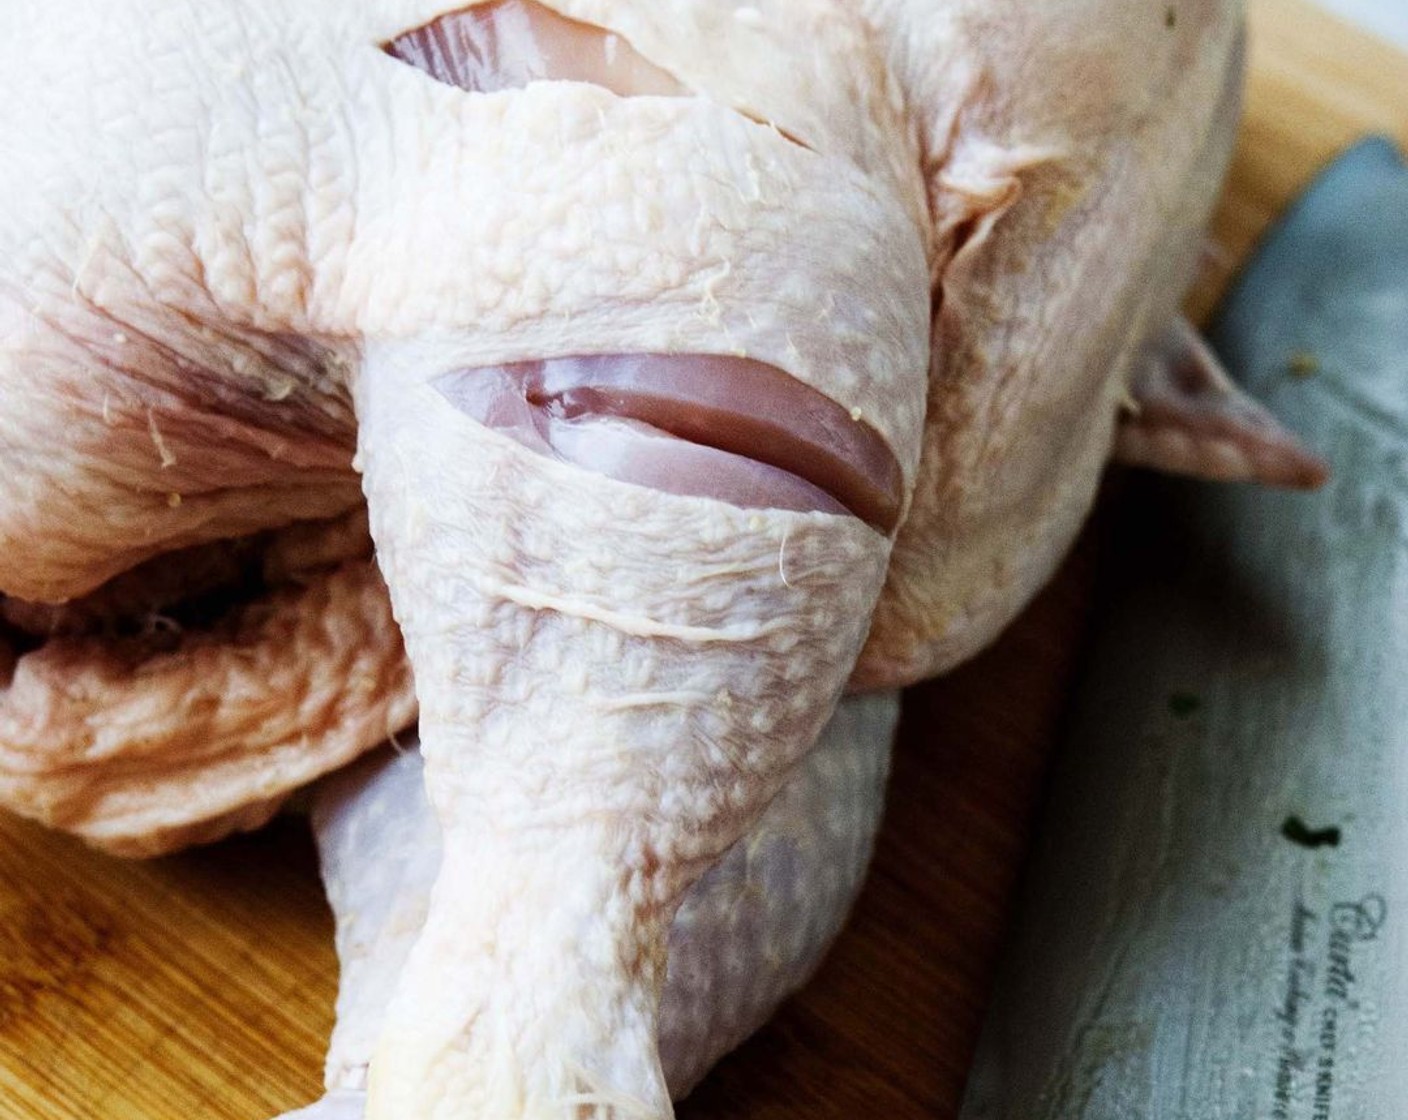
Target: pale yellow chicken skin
[779,348]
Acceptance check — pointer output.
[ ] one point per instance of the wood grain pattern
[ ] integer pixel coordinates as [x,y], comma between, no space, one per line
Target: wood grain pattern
[200,987]
[1315,86]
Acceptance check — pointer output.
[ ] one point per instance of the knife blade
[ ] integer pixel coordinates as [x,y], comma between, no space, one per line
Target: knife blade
[1215,917]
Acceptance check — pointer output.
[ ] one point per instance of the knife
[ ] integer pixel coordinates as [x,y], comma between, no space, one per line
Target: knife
[1214,923]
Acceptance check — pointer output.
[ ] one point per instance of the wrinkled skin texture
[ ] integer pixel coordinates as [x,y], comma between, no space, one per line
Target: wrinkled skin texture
[748,933]
[245,248]
[190,325]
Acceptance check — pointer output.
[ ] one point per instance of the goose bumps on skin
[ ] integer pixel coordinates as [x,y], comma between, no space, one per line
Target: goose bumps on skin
[678,363]
[745,936]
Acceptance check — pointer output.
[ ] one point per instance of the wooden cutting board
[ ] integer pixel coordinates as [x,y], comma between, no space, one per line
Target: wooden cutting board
[201,987]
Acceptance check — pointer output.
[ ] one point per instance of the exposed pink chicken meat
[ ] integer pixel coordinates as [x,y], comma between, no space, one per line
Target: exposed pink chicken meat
[695,360]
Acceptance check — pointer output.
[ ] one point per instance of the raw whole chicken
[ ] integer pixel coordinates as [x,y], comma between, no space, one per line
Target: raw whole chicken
[679,363]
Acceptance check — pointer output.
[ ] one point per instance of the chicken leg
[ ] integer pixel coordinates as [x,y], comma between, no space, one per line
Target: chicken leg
[747,934]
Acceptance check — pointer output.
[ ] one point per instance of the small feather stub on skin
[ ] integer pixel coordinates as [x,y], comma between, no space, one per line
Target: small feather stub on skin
[1188,417]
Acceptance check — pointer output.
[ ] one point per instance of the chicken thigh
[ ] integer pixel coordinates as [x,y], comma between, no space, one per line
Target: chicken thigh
[682,362]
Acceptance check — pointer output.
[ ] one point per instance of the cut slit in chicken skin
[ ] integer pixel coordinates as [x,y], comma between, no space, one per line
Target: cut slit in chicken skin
[654,419]
[507,43]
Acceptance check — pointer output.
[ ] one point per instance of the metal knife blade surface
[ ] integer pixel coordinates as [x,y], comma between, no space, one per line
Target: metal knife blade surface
[1215,919]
